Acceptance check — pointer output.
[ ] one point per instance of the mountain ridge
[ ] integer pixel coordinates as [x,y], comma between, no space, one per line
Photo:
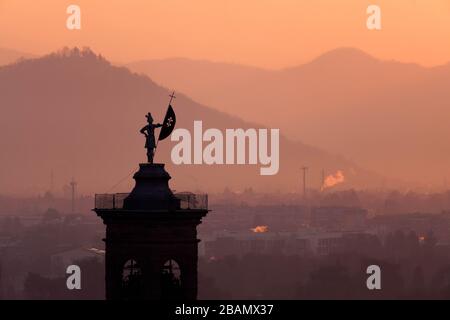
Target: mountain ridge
[325,102]
[83,121]
[8,56]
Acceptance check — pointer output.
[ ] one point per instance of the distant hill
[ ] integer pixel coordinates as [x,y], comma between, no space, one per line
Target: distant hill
[76,114]
[8,56]
[388,116]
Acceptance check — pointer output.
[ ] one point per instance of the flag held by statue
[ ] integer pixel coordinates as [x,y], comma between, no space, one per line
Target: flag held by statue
[168,124]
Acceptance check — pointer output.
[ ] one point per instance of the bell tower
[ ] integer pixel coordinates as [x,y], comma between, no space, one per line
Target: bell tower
[151,238]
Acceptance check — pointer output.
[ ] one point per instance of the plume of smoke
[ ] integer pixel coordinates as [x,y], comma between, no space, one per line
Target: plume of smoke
[333,179]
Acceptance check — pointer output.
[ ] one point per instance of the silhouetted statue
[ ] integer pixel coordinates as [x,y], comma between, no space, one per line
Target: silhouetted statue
[149,132]
[152,225]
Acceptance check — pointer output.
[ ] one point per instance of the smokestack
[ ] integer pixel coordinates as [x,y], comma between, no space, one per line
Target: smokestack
[305,169]
[52,181]
[323,180]
[73,185]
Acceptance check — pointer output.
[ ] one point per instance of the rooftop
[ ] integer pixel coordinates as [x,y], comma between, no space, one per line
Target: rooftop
[188,201]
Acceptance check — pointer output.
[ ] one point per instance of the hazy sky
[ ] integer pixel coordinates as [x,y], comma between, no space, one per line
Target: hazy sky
[266,33]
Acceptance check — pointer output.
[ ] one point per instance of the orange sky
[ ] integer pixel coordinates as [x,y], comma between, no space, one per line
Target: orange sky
[266,33]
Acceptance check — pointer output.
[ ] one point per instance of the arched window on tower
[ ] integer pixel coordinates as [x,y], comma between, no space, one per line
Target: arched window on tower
[171,281]
[132,285]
